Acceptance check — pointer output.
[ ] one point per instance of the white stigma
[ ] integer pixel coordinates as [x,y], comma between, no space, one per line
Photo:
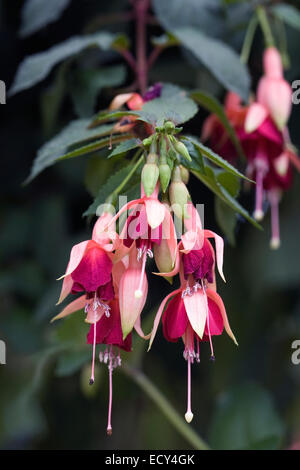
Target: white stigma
[274,243]
[138,294]
[258,215]
[188,416]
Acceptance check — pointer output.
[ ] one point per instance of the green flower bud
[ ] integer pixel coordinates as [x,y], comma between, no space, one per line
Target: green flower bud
[164,176]
[148,141]
[185,174]
[178,194]
[182,150]
[150,174]
[169,127]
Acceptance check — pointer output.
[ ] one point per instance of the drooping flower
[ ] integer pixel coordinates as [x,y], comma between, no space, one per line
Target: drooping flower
[148,224]
[274,92]
[268,150]
[90,271]
[108,331]
[194,312]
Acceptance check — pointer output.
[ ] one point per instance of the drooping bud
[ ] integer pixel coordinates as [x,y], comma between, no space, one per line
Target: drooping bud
[178,194]
[274,92]
[150,174]
[181,149]
[185,174]
[164,169]
[169,127]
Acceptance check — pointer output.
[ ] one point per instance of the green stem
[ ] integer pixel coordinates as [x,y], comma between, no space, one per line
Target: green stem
[265,26]
[130,174]
[283,43]
[245,53]
[160,400]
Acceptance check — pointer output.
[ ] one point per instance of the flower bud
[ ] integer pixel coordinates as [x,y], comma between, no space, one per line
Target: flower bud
[178,194]
[150,174]
[169,127]
[164,176]
[181,149]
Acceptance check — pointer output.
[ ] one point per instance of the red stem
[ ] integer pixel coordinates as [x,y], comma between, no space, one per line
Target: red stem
[141,9]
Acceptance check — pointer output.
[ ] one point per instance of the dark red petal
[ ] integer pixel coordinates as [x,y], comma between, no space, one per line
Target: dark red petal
[216,323]
[175,319]
[94,270]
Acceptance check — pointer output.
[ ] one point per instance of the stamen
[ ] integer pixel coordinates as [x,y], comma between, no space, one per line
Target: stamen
[92,379]
[189,415]
[110,369]
[258,213]
[274,202]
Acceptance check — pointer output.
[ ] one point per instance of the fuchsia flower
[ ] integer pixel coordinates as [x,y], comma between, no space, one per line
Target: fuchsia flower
[274,93]
[261,130]
[108,331]
[195,311]
[149,224]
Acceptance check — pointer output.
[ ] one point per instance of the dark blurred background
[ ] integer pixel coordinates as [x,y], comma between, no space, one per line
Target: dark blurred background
[248,398]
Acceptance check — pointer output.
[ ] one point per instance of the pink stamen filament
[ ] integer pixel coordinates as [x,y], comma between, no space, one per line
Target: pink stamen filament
[189,415]
[110,369]
[258,214]
[274,202]
[92,379]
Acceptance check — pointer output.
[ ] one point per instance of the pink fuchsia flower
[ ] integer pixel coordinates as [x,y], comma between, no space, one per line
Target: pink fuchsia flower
[274,93]
[268,151]
[195,312]
[108,331]
[148,224]
[269,165]
[90,271]
[214,131]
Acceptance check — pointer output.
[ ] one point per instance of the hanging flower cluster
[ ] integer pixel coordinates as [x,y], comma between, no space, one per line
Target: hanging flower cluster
[262,131]
[109,271]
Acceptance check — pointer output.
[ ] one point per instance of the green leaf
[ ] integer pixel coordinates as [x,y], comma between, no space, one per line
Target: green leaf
[226,219]
[124,147]
[36,14]
[289,14]
[212,179]
[222,61]
[245,419]
[121,42]
[98,169]
[108,189]
[205,15]
[214,106]
[36,67]
[86,85]
[71,136]
[165,40]
[215,158]
[51,99]
[173,104]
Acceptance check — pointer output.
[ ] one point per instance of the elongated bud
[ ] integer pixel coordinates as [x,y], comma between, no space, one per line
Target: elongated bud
[164,169]
[148,141]
[185,174]
[178,194]
[181,149]
[150,174]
